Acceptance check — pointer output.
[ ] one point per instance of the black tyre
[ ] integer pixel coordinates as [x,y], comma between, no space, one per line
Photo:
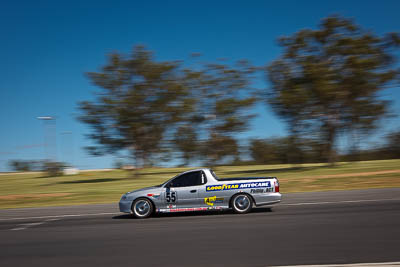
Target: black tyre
[242,203]
[142,208]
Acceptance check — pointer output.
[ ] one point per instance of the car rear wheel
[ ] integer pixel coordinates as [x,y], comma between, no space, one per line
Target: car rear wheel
[242,203]
[142,208]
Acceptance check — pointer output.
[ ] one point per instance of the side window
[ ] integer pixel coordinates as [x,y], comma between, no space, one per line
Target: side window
[188,179]
[214,175]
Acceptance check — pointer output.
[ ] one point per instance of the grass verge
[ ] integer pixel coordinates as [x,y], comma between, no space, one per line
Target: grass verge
[19,190]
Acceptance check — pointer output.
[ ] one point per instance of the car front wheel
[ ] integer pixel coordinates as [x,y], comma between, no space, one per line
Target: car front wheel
[142,208]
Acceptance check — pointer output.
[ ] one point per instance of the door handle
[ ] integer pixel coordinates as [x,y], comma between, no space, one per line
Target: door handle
[193,191]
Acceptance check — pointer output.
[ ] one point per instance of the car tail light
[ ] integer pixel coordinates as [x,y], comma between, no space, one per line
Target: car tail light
[276,184]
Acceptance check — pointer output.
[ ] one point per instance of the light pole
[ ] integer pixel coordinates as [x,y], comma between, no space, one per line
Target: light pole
[50,142]
[67,147]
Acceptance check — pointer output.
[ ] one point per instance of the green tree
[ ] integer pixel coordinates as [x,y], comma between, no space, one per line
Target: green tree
[263,152]
[53,168]
[222,97]
[186,141]
[392,147]
[282,150]
[328,80]
[20,165]
[138,107]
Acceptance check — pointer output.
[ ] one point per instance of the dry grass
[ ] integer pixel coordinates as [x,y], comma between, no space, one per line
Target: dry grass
[34,189]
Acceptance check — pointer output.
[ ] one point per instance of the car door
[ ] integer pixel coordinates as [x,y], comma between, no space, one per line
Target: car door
[215,199]
[183,191]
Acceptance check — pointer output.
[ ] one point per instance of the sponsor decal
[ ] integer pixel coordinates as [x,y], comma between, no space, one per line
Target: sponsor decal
[211,200]
[261,190]
[189,209]
[257,191]
[224,187]
[170,196]
[153,195]
[183,209]
[170,206]
[215,208]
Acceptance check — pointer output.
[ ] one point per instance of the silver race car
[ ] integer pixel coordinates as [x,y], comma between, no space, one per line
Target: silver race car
[201,190]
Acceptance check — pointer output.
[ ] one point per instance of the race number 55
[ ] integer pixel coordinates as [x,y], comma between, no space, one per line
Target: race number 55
[170,196]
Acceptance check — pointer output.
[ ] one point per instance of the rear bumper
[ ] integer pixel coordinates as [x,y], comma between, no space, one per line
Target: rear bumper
[125,206]
[267,199]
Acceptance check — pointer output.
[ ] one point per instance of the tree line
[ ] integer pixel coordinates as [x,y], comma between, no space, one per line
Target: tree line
[326,83]
[51,168]
[281,150]
[277,150]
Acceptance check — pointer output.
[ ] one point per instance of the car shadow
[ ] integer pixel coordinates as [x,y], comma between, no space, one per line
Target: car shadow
[191,214]
[123,217]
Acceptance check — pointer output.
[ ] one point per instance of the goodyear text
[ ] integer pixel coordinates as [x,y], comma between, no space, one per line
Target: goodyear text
[224,187]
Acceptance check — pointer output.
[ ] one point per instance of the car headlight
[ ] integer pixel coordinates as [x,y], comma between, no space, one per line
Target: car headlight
[124,197]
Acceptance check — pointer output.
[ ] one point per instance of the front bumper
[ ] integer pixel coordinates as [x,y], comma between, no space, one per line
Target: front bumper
[125,206]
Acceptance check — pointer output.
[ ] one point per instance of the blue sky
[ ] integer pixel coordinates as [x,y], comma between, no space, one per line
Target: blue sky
[47,46]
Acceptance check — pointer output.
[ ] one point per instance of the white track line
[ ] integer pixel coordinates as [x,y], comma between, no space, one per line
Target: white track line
[52,220]
[61,216]
[342,201]
[348,265]
[26,225]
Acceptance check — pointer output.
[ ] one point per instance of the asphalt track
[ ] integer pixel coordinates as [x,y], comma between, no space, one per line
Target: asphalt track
[306,228]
